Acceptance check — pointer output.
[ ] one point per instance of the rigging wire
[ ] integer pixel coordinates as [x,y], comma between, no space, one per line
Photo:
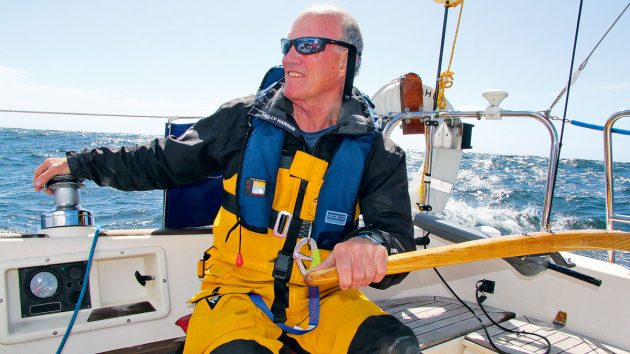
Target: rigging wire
[423,191]
[96,114]
[446,78]
[576,74]
[443,81]
[566,105]
[437,79]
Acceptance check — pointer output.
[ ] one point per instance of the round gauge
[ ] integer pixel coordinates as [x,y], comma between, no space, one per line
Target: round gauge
[43,284]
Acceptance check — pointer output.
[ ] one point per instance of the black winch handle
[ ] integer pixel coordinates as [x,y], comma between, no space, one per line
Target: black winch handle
[572,273]
[62,179]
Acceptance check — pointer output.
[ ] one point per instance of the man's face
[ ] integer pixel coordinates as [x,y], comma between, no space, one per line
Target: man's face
[315,75]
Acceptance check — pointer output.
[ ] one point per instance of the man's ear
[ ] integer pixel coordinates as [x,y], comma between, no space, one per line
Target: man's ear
[343,63]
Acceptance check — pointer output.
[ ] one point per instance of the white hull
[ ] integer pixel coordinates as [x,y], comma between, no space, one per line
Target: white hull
[597,312]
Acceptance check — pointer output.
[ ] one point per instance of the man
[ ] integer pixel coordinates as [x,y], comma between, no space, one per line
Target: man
[298,160]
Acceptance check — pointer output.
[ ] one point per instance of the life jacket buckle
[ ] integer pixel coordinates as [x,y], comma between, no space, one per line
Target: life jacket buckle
[301,257]
[282,267]
[283,221]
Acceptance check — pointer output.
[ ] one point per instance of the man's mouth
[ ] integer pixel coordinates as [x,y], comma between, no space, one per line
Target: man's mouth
[294,74]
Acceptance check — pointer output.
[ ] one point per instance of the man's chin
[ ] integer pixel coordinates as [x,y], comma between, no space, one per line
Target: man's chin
[290,94]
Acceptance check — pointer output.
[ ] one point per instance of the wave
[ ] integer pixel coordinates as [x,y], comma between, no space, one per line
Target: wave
[503,191]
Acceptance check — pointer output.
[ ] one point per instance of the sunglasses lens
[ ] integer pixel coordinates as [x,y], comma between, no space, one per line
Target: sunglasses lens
[309,45]
[285,45]
[305,46]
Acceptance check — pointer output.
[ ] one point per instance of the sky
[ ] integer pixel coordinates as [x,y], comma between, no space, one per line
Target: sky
[185,58]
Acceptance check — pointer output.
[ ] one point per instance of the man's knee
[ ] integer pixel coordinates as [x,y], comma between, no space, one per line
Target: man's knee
[384,334]
[241,346]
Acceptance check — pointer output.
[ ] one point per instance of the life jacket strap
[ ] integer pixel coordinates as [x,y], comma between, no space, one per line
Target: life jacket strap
[284,262]
[313,312]
[282,270]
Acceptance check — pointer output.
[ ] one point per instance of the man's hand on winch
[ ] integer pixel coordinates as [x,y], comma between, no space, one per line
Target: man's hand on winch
[50,168]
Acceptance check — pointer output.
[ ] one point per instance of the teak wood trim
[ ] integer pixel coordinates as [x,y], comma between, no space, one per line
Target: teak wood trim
[498,247]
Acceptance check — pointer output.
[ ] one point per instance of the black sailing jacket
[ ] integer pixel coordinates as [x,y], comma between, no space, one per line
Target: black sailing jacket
[213,145]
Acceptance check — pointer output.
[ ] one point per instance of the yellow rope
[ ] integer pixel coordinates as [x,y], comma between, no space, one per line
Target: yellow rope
[446,77]
[453,3]
[446,81]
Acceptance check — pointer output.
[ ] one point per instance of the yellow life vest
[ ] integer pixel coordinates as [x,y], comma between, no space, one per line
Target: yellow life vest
[254,234]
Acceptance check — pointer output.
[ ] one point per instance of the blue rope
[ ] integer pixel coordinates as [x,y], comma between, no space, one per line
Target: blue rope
[77,307]
[598,127]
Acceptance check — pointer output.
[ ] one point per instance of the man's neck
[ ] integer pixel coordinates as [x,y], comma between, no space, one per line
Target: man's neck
[313,116]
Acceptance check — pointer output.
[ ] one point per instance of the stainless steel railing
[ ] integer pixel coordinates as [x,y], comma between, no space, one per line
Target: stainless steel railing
[546,121]
[611,217]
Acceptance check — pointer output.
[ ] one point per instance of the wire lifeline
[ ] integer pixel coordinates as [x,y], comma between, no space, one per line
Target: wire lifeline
[566,105]
[86,277]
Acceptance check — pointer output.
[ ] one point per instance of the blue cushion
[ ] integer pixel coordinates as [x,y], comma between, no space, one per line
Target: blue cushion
[192,205]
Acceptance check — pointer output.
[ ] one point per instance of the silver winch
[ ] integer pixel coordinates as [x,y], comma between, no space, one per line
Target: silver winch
[68,210]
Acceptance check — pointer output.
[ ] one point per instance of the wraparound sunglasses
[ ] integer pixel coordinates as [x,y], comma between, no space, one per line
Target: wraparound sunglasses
[310,45]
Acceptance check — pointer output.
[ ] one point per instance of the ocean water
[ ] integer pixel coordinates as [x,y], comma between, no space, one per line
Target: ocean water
[505,192]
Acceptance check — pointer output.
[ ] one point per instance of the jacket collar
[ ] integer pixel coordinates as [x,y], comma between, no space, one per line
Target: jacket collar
[272,106]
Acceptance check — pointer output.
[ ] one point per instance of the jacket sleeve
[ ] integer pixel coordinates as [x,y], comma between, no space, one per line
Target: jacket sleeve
[166,162]
[384,202]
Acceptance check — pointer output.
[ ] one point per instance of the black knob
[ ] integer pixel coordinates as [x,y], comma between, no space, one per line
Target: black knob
[142,279]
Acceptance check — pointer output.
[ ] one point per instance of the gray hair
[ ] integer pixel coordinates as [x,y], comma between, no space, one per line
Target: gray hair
[351,33]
